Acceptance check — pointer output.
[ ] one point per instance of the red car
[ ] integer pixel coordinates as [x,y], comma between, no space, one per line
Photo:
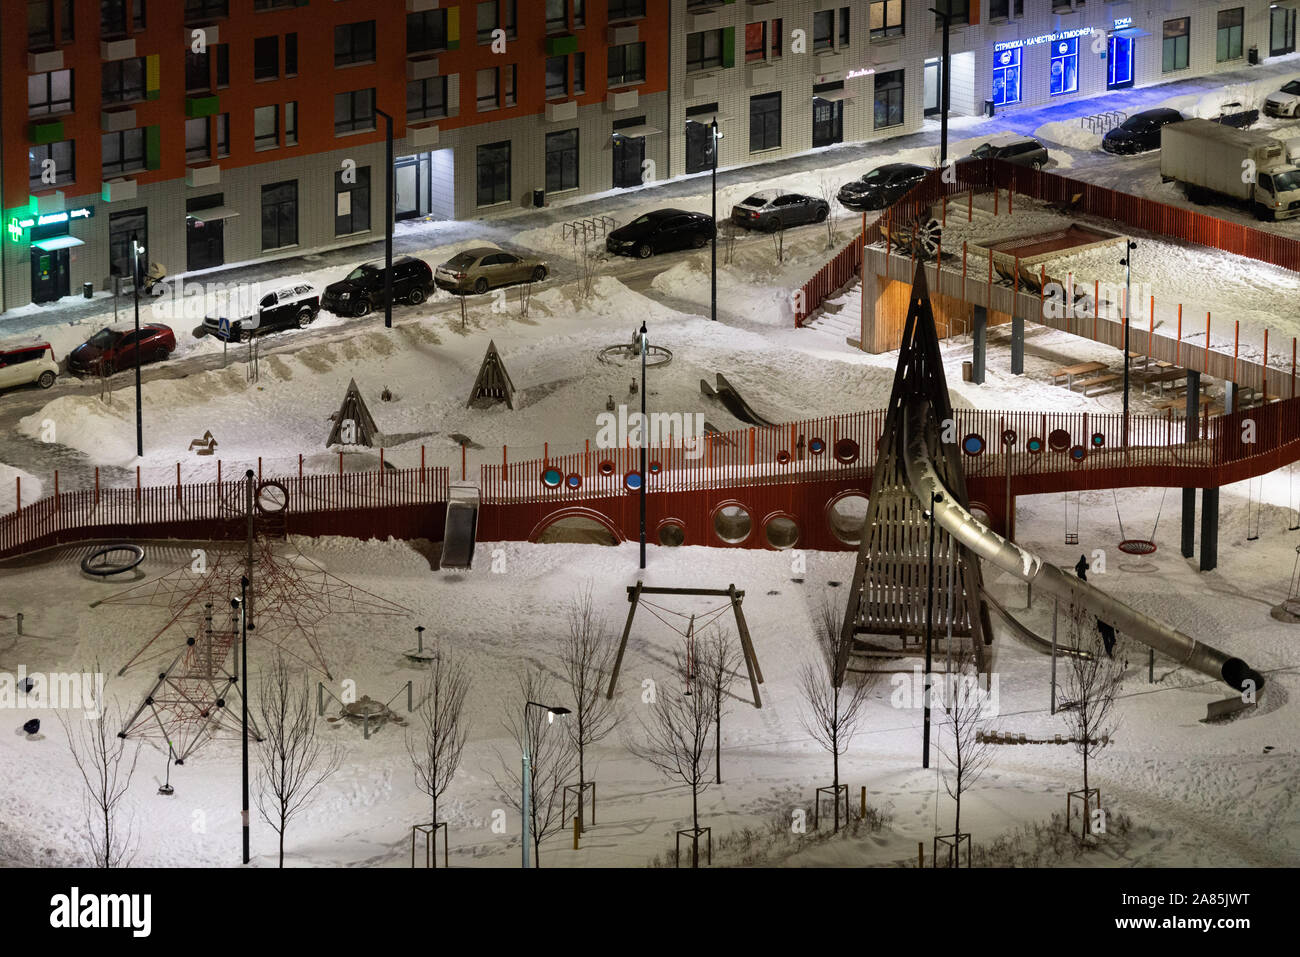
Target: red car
[113,349]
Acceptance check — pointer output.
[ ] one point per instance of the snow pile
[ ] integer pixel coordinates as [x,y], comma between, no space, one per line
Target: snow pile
[9,479]
[1070,134]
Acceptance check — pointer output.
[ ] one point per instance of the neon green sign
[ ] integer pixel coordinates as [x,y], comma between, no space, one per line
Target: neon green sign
[18,226]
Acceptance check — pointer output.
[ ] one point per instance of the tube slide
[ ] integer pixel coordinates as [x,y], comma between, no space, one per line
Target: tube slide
[1050,579]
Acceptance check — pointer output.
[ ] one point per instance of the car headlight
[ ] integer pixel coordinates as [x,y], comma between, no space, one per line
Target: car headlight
[345,295]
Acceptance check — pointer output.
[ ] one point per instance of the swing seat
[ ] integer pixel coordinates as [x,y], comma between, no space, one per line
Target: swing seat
[1137,546]
[1072,538]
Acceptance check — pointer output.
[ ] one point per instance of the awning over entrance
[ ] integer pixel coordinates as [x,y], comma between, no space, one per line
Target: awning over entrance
[634,132]
[834,96]
[212,215]
[55,243]
[1131,32]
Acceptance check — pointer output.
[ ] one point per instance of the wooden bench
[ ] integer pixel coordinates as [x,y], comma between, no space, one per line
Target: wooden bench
[1180,403]
[1069,372]
[1098,381]
[1162,377]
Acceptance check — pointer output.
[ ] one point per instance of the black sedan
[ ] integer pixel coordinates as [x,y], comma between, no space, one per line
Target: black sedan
[1140,132]
[772,211]
[660,231]
[882,186]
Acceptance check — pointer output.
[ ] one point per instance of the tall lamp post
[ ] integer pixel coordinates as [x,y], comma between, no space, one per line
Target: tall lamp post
[137,277]
[713,284]
[946,16]
[527,780]
[645,436]
[241,604]
[388,218]
[929,632]
[1127,263]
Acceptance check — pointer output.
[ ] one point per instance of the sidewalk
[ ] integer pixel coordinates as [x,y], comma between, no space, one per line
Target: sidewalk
[413,236]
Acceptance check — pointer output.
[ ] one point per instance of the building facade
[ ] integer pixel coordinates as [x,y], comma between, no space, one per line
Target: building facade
[215,132]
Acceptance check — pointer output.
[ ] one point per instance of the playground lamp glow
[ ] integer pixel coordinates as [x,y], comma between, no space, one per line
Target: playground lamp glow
[526,778]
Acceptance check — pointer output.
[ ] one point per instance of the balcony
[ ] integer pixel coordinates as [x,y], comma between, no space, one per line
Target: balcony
[199,176]
[422,137]
[703,85]
[622,100]
[420,6]
[566,110]
[47,62]
[118,190]
[422,68]
[41,133]
[618,36]
[113,121]
[561,45]
[117,49]
[203,105]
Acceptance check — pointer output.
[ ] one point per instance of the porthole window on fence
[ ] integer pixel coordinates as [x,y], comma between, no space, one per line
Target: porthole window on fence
[672,534]
[732,524]
[552,478]
[632,481]
[846,451]
[845,516]
[781,531]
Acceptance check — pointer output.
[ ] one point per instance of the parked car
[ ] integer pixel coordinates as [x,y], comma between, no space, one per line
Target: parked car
[1140,132]
[287,307]
[22,363]
[116,348]
[660,231]
[1285,102]
[772,210]
[363,289]
[478,270]
[882,186]
[1026,152]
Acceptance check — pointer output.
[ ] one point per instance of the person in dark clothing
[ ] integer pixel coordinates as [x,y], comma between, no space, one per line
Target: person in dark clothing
[1107,637]
[1081,567]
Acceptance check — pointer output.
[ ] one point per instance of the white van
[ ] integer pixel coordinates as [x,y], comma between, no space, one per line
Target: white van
[23,363]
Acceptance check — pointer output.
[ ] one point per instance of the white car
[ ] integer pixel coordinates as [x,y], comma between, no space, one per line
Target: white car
[1285,102]
[22,363]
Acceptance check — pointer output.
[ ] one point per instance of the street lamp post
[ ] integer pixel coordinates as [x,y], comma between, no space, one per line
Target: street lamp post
[946,15]
[388,218]
[136,278]
[241,603]
[929,633]
[645,437]
[713,284]
[1127,263]
[527,779]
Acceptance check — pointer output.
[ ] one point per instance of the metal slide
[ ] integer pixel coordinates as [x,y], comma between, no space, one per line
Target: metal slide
[735,403]
[461,528]
[1050,579]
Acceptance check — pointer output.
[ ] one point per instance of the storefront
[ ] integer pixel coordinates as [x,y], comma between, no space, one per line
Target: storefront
[828,113]
[1281,30]
[1012,70]
[628,141]
[51,249]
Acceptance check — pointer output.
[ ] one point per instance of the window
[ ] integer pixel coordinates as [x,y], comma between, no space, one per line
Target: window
[426,31]
[67,22]
[823,30]
[1229,37]
[266,127]
[223,135]
[122,152]
[561,160]
[703,50]
[354,111]
[280,215]
[764,122]
[1177,39]
[844,26]
[1006,76]
[494,15]
[223,64]
[579,72]
[626,9]
[291,123]
[291,54]
[275,4]
[122,228]
[1006,9]
[557,16]
[886,18]
[198,142]
[352,202]
[266,58]
[114,16]
[123,81]
[508,85]
[198,11]
[426,99]
[557,77]
[354,43]
[756,41]
[888,99]
[778,30]
[488,89]
[63,170]
[493,174]
[198,71]
[40,24]
[626,64]
[1065,67]
[49,93]
[958,12]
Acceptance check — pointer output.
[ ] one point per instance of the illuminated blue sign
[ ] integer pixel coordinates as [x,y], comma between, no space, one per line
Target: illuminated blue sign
[1043,38]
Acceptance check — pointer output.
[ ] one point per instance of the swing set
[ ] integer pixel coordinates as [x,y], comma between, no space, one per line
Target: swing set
[635,595]
[1138,546]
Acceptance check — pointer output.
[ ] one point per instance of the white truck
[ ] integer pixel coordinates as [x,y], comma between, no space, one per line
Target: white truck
[1210,159]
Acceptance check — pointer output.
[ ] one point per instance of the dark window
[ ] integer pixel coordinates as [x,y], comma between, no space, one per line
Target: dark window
[494,15]
[778,30]
[1006,9]
[49,93]
[112,19]
[579,72]
[626,64]
[266,127]
[764,122]
[889,99]
[291,123]
[266,58]
[426,99]
[354,111]
[557,76]
[63,171]
[223,135]
[198,140]
[198,71]
[291,54]
[699,137]
[626,9]
[493,174]
[703,50]
[276,4]
[280,215]
[823,30]
[352,215]
[561,160]
[40,24]
[354,43]
[123,81]
[557,16]
[844,26]
[67,21]
[1229,37]
[958,12]
[487,89]
[1177,40]
[197,11]
[223,64]
[122,152]
[426,31]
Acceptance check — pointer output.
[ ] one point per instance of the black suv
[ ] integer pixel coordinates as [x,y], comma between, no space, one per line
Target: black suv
[363,288]
[1028,152]
[1140,132]
[882,186]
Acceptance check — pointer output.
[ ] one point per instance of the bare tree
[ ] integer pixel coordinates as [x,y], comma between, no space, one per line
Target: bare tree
[551,760]
[966,752]
[436,748]
[675,739]
[587,657]
[777,232]
[834,709]
[728,232]
[717,667]
[830,193]
[107,764]
[1092,682]
[293,761]
[588,257]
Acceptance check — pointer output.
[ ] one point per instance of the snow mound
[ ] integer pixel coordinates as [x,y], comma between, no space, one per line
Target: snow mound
[9,477]
[1068,133]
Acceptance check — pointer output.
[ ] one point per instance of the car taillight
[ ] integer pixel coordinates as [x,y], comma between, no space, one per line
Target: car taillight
[753,215]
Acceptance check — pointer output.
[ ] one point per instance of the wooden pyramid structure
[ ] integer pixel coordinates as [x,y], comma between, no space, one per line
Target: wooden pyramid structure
[493,381]
[353,410]
[886,612]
